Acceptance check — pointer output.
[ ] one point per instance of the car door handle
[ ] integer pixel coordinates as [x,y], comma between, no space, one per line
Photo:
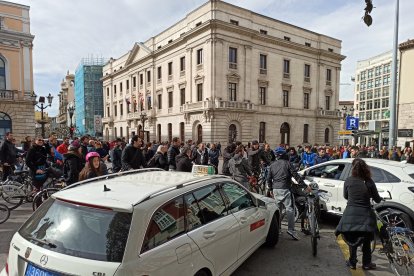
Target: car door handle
[209,234]
[329,185]
[243,220]
[381,191]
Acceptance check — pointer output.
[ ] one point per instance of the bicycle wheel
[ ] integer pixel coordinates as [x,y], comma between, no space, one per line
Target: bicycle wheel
[42,196]
[402,256]
[12,194]
[314,232]
[4,213]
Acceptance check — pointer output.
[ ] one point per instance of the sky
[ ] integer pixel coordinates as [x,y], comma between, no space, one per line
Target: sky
[67,30]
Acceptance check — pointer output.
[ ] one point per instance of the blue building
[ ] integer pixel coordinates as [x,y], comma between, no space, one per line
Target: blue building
[88,94]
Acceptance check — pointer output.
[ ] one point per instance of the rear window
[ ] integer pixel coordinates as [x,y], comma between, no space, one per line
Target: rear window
[410,170]
[79,231]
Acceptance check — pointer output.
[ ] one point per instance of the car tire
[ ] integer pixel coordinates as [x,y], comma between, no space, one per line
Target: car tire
[273,234]
[202,272]
[404,217]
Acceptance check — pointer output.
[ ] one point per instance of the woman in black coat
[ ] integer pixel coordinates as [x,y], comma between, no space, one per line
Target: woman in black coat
[358,222]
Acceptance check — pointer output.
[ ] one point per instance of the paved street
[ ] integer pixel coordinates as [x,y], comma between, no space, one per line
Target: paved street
[287,258]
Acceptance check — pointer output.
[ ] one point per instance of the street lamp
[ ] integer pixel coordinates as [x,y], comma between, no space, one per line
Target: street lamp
[71,110]
[42,106]
[143,117]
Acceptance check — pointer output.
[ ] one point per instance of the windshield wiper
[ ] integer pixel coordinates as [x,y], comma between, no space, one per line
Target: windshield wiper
[45,242]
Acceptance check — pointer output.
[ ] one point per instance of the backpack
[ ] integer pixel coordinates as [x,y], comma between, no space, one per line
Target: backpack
[152,162]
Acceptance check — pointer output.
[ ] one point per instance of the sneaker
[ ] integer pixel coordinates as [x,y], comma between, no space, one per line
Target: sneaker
[369,266]
[350,265]
[293,235]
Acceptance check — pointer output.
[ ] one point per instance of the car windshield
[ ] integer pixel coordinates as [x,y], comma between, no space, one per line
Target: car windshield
[410,170]
[79,231]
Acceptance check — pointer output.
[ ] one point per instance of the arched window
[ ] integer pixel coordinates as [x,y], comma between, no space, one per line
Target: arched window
[2,74]
[232,133]
[199,134]
[116,134]
[5,124]
[326,136]
[182,132]
[285,134]
[169,132]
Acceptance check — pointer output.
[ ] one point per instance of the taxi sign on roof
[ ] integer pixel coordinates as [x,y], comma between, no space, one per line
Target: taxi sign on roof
[203,170]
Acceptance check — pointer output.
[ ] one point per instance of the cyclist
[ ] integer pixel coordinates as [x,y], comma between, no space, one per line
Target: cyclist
[36,160]
[72,164]
[93,167]
[279,183]
[8,155]
[359,221]
[253,154]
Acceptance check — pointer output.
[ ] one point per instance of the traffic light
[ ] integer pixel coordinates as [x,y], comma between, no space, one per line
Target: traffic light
[71,130]
[368,9]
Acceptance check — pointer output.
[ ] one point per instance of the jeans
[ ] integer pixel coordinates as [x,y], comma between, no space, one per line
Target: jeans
[285,197]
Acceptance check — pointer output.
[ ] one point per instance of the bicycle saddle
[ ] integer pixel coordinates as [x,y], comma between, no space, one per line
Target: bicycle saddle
[21,172]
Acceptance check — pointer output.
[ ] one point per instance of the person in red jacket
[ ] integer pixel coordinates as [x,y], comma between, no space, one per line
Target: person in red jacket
[63,148]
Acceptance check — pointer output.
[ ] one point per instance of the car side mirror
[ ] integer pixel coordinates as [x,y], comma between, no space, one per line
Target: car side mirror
[261,204]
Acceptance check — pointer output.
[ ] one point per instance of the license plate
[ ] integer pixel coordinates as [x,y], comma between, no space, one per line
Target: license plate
[32,270]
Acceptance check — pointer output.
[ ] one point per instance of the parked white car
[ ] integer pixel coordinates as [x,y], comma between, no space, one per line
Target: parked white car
[144,222]
[393,179]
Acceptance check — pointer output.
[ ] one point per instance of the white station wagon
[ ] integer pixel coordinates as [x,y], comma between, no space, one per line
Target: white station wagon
[394,180]
[144,222]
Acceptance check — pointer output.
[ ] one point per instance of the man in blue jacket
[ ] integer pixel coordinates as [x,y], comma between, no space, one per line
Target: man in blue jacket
[308,157]
[322,157]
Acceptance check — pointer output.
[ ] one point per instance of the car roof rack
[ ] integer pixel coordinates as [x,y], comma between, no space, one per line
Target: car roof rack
[111,175]
[179,186]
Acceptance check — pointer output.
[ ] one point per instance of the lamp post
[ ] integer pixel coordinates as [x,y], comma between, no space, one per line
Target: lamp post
[71,110]
[42,106]
[143,117]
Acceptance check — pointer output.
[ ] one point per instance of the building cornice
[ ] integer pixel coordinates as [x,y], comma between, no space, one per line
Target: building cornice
[409,44]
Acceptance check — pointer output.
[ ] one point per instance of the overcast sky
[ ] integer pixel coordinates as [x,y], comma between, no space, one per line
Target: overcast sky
[66,31]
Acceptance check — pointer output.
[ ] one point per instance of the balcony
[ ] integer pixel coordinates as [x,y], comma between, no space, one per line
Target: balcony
[233,65]
[109,119]
[182,73]
[133,116]
[170,77]
[328,83]
[286,75]
[218,104]
[263,72]
[7,95]
[329,113]
[307,79]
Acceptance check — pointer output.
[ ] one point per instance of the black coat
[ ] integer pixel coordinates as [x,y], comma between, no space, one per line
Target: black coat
[161,161]
[72,166]
[358,215]
[8,152]
[36,156]
[116,160]
[197,157]
[183,163]
[132,158]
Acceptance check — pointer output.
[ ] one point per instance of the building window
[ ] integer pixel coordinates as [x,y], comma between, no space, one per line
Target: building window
[262,132]
[385,91]
[307,72]
[169,132]
[328,75]
[286,38]
[182,96]
[199,92]
[121,109]
[369,115]
[369,95]
[170,99]
[116,110]
[127,84]
[115,132]
[128,107]
[306,100]
[262,95]
[285,133]
[121,132]
[108,113]
[369,84]
[330,50]
[149,106]
[232,133]
[148,76]
[232,92]
[307,44]
[107,91]
[182,64]
[134,81]
[377,82]
[327,136]
[286,66]
[263,31]
[141,79]
[328,102]
[370,73]
[120,87]
[385,102]
[170,68]
[115,90]
[159,101]
[362,96]
[199,56]
[377,93]
[182,132]
[159,72]
[2,74]
[386,80]
[377,104]
[159,132]
[305,133]
[263,64]
[232,58]
[234,22]
[285,98]
[369,105]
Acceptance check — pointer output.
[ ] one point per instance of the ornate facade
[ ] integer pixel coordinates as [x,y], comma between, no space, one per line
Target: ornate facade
[16,71]
[224,73]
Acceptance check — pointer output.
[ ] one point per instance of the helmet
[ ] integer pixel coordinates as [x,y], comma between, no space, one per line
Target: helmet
[92,154]
[74,146]
[279,151]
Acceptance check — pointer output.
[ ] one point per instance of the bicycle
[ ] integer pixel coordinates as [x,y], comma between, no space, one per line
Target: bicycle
[4,213]
[17,189]
[55,185]
[262,178]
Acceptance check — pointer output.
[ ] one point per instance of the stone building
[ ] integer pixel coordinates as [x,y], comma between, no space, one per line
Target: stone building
[225,73]
[406,95]
[66,99]
[16,71]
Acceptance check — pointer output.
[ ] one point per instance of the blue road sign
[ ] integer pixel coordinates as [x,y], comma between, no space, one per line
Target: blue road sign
[352,123]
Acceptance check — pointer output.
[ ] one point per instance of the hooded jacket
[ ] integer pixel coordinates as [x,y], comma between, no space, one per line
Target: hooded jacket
[72,166]
[239,168]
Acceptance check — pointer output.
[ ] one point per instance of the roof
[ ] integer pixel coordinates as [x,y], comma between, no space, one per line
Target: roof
[126,190]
